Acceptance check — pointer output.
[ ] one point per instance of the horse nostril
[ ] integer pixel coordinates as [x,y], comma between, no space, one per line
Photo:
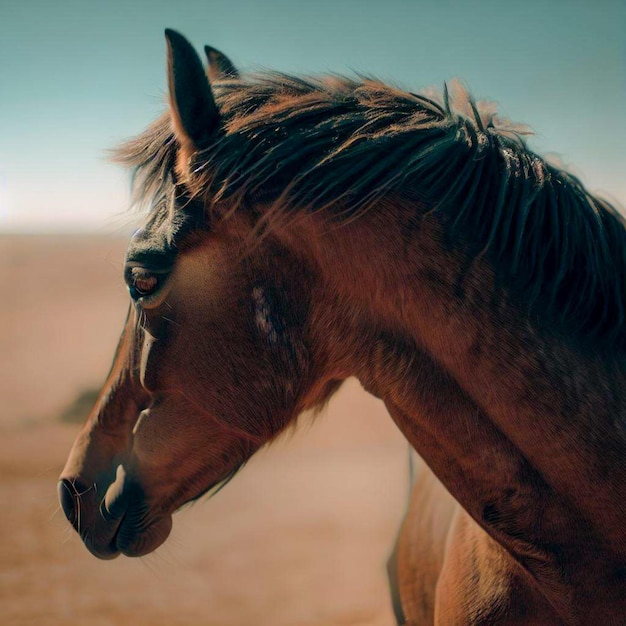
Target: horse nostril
[68,496]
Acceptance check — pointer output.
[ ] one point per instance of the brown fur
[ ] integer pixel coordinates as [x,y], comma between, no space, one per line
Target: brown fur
[517,406]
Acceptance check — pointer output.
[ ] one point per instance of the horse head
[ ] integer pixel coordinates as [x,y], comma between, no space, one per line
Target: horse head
[217,355]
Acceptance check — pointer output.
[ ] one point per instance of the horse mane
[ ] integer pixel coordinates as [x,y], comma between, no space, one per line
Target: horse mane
[343,145]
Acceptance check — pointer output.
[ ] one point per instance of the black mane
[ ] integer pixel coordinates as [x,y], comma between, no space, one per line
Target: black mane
[343,145]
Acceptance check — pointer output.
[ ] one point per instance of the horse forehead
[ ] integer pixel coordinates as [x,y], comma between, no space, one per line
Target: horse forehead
[156,240]
[139,234]
[151,249]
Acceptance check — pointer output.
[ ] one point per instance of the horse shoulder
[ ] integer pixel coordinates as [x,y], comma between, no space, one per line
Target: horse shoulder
[421,546]
[450,571]
[481,584]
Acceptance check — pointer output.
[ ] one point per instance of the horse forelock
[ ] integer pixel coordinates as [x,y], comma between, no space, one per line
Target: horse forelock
[343,145]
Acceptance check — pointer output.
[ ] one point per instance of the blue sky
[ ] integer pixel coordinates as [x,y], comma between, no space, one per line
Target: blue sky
[77,77]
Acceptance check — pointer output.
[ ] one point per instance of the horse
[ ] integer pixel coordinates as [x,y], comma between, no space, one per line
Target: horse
[304,230]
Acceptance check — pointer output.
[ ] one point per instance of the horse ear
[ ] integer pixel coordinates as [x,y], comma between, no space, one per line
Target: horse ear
[192,105]
[220,66]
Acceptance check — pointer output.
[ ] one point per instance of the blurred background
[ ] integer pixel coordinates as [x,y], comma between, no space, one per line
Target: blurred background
[301,535]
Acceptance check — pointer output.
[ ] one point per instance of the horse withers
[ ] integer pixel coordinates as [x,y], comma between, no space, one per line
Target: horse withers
[301,231]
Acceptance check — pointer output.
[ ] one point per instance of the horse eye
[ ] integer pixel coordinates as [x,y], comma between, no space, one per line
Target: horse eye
[141,282]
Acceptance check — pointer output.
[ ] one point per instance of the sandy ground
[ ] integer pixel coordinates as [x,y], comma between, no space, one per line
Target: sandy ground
[299,537]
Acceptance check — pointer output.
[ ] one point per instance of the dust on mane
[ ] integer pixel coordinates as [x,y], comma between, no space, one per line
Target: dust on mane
[343,145]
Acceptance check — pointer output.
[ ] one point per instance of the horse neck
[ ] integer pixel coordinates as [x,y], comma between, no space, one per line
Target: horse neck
[523,429]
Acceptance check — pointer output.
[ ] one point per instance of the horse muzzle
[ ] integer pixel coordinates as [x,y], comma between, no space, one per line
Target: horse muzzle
[113,519]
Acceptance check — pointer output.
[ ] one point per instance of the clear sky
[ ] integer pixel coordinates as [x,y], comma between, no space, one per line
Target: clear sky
[78,76]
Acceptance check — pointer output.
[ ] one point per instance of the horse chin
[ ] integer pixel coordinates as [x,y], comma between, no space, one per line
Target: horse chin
[132,541]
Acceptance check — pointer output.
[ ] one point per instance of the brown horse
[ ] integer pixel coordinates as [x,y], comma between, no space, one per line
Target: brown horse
[303,231]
